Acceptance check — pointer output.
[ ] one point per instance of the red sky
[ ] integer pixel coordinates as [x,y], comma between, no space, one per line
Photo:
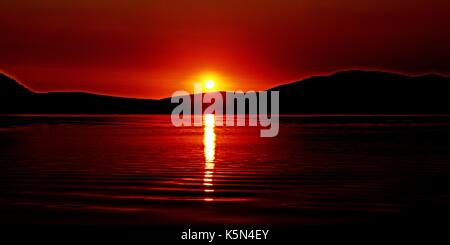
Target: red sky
[142,49]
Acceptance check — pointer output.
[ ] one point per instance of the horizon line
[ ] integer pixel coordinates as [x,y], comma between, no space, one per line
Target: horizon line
[319,74]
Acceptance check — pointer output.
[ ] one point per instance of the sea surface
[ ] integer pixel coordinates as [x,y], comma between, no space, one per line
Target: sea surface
[134,169]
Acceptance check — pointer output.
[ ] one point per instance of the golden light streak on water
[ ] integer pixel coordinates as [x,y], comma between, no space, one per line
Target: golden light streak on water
[209,142]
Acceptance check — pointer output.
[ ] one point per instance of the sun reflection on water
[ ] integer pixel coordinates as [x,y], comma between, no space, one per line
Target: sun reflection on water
[209,142]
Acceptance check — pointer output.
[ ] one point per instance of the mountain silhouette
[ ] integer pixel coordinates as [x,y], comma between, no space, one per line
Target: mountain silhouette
[11,88]
[366,92]
[346,92]
[15,98]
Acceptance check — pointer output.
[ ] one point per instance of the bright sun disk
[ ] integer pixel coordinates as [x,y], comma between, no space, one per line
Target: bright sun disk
[209,84]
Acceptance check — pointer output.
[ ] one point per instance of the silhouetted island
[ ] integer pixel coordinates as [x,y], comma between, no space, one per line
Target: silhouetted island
[346,92]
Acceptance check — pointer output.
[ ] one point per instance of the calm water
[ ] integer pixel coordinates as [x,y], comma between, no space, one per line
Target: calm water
[142,170]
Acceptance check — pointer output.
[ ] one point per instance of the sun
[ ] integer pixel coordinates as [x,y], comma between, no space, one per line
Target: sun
[210,81]
[209,84]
